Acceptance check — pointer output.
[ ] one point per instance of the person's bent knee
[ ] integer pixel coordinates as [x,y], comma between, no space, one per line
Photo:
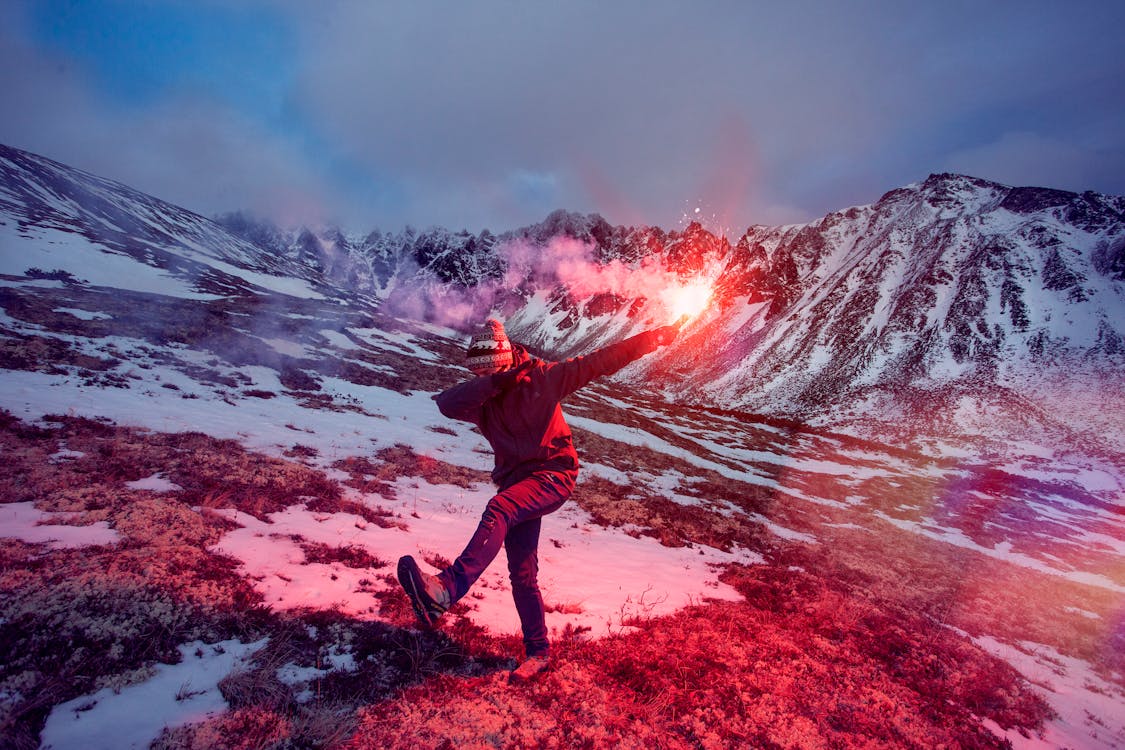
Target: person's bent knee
[499,510]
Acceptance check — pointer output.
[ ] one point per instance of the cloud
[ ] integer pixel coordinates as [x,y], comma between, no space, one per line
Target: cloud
[185,148]
[641,110]
[628,108]
[491,114]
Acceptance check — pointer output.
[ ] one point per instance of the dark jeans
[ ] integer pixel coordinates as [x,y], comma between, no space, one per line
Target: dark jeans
[512,518]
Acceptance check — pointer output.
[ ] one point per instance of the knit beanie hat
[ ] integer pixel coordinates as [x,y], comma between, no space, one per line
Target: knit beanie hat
[489,348]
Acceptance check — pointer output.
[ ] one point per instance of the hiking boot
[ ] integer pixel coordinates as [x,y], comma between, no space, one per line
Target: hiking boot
[532,668]
[428,595]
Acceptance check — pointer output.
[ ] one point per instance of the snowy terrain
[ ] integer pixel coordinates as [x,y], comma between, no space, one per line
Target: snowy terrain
[180,337]
[948,306]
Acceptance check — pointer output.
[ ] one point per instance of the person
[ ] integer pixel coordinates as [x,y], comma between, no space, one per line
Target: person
[514,400]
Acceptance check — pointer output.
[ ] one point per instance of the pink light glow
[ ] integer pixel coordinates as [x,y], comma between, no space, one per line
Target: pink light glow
[687,300]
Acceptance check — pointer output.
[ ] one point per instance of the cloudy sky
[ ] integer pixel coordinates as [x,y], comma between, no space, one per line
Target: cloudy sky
[492,113]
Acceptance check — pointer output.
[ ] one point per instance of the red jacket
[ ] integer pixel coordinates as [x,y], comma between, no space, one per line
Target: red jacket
[524,424]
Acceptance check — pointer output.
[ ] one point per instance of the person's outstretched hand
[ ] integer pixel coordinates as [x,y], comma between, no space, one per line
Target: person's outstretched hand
[667,334]
[513,377]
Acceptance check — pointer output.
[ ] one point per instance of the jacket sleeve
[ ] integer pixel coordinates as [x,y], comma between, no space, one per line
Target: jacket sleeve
[566,377]
[464,400]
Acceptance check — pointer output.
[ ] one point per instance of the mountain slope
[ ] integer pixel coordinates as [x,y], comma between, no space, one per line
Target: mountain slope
[953,280]
[943,303]
[52,204]
[209,459]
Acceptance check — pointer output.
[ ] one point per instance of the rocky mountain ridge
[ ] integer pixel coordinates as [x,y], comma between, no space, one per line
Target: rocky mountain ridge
[949,295]
[952,278]
[949,292]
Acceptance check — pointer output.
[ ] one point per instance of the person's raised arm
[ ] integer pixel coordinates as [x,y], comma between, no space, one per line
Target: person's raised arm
[567,377]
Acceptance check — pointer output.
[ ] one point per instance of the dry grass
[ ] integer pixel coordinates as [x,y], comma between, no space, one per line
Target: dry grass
[844,643]
[375,476]
[673,524]
[75,620]
[798,664]
[348,555]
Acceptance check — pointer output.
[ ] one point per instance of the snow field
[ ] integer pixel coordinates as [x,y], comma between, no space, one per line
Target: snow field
[591,575]
[1088,706]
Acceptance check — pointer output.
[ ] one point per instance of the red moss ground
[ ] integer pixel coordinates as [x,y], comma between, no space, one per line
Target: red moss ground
[798,664]
[827,648]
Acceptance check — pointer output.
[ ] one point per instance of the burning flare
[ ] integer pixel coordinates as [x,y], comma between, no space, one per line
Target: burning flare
[688,300]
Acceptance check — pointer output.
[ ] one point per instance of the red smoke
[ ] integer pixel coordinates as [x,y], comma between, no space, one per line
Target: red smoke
[570,262]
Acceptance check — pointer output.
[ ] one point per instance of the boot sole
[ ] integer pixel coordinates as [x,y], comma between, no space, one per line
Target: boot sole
[412,585]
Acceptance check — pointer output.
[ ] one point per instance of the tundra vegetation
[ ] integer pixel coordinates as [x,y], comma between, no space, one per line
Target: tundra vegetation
[857,640]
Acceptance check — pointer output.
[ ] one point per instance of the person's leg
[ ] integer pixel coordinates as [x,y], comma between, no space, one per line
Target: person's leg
[529,499]
[522,548]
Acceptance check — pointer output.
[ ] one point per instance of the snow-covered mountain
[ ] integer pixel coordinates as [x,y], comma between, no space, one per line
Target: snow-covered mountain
[942,302]
[56,204]
[149,271]
[950,281]
[948,290]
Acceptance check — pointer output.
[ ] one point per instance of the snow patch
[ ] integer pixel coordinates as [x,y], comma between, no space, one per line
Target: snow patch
[1088,707]
[56,250]
[574,554]
[83,314]
[177,694]
[27,523]
[155,483]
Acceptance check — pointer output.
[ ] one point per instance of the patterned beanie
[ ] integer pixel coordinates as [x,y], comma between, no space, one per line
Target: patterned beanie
[489,348]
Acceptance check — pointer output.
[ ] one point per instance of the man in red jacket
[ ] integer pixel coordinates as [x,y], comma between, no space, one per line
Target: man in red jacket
[514,401]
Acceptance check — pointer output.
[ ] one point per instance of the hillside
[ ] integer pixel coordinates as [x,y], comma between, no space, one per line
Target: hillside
[214,453]
[954,306]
